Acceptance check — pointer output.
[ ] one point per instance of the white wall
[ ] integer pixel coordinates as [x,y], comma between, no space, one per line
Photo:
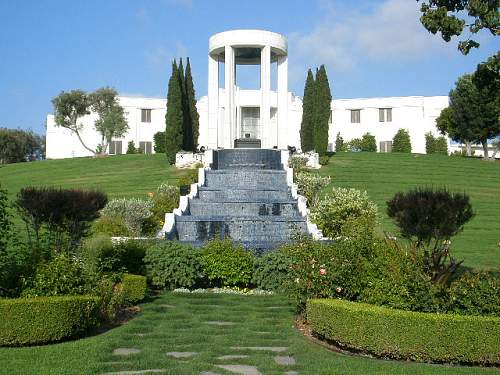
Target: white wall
[415,113]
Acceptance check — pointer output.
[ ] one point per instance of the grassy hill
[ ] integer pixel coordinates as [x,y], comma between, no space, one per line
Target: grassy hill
[381,175]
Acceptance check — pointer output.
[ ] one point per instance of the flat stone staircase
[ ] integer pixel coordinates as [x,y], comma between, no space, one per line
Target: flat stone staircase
[245,197]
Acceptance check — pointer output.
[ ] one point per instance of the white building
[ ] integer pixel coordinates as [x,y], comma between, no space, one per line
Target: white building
[234,117]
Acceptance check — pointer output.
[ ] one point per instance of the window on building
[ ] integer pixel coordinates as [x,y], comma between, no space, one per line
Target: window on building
[115,147]
[385,114]
[385,146]
[145,147]
[145,115]
[355,116]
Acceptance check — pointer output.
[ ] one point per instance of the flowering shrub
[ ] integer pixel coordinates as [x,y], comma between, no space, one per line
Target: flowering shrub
[165,200]
[133,212]
[341,210]
[310,185]
[298,163]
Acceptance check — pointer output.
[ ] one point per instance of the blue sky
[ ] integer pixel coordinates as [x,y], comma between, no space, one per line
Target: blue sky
[370,48]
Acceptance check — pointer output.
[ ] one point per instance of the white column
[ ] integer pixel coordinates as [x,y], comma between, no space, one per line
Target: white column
[265,90]
[213,103]
[282,102]
[228,128]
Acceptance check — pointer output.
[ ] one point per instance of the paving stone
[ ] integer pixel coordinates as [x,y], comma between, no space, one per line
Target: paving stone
[241,369]
[291,373]
[284,360]
[167,306]
[208,373]
[136,372]
[276,349]
[181,354]
[126,351]
[229,357]
[220,323]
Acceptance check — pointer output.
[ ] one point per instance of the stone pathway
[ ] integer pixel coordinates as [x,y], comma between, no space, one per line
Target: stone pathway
[126,351]
[284,360]
[230,357]
[241,369]
[181,354]
[136,372]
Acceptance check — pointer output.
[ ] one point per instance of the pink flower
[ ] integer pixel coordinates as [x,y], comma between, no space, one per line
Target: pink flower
[322,271]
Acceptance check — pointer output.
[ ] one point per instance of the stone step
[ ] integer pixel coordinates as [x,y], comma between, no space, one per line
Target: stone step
[241,229]
[246,179]
[198,207]
[242,195]
[248,159]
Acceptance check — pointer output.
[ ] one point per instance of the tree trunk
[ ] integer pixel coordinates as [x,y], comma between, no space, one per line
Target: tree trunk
[485,149]
[83,144]
[468,148]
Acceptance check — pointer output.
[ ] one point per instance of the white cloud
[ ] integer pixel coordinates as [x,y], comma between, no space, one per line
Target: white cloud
[390,31]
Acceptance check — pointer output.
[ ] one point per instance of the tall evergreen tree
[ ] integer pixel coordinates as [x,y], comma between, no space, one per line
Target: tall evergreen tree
[174,118]
[322,109]
[193,128]
[186,137]
[307,125]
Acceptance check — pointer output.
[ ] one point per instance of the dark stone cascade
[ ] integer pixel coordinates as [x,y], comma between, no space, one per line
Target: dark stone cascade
[246,198]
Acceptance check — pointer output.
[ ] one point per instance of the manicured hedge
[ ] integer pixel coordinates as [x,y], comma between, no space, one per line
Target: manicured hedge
[402,334]
[40,320]
[134,288]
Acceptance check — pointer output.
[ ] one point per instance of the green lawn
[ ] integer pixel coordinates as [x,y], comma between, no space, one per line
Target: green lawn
[382,175]
[178,323]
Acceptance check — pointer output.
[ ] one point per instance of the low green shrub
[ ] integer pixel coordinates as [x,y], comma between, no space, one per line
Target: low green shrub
[40,320]
[402,334]
[173,265]
[60,276]
[98,253]
[354,145]
[475,293]
[340,145]
[310,185]
[324,160]
[344,206]
[111,226]
[225,263]
[368,143]
[130,255]
[133,288]
[271,271]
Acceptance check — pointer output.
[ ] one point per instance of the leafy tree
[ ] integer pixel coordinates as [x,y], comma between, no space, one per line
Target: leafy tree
[452,17]
[191,113]
[131,149]
[69,107]
[175,116]
[401,141]
[322,111]
[17,145]
[473,114]
[111,119]
[308,106]
[159,142]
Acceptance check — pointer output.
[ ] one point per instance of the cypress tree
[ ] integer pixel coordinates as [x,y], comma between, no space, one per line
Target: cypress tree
[307,125]
[174,118]
[191,111]
[321,111]
[186,137]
